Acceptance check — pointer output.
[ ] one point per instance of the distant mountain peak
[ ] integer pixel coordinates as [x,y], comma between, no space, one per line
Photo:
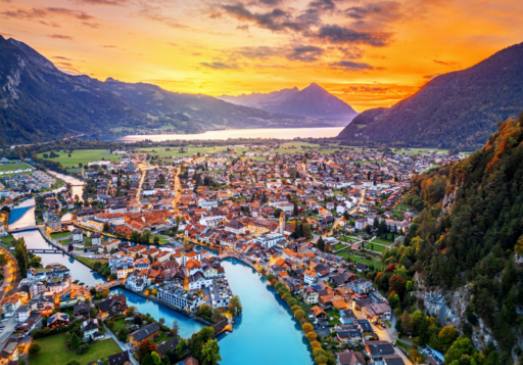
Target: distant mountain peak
[314,87]
[313,102]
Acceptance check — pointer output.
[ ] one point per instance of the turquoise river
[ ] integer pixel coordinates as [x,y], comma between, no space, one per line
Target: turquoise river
[265,334]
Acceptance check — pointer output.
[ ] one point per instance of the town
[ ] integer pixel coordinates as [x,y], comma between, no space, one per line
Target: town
[160,225]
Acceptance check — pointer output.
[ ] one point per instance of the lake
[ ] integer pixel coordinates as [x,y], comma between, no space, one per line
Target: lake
[223,135]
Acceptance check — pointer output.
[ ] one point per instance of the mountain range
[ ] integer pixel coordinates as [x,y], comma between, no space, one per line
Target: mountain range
[39,102]
[312,102]
[456,110]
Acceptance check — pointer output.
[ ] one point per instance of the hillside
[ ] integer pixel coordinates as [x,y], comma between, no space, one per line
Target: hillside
[311,102]
[39,102]
[466,240]
[455,110]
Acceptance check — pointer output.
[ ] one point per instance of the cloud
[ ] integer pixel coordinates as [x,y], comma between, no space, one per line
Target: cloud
[339,34]
[259,52]
[380,10]
[276,19]
[352,65]
[219,65]
[155,14]
[60,36]
[43,13]
[103,2]
[305,53]
[445,63]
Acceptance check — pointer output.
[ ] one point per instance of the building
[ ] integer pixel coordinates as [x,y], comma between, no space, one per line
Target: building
[178,298]
[143,334]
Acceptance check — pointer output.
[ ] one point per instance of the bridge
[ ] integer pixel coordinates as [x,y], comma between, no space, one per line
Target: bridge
[22,229]
[45,250]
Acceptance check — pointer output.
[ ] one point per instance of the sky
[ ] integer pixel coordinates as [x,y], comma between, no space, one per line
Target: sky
[369,53]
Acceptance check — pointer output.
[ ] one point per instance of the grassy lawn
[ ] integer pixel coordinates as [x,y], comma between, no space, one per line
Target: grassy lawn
[80,156]
[350,239]
[60,235]
[376,247]
[87,261]
[14,166]
[359,259]
[381,241]
[53,351]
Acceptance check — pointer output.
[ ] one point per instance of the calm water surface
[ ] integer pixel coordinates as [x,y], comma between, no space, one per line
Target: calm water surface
[22,215]
[223,135]
[186,326]
[33,239]
[267,333]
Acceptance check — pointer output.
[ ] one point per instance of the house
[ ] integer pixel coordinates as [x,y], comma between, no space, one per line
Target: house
[121,358]
[81,310]
[96,239]
[91,330]
[58,319]
[378,350]
[349,357]
[115,304]
[309,277]
[143,334]
[78,236]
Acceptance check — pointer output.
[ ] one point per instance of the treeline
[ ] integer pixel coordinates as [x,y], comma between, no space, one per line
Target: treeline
[466,234]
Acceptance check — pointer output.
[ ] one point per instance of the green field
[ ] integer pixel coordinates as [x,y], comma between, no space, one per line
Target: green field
[54,351]
[357,258]
[189,151]
[77,157]
[419,151]
[14,166]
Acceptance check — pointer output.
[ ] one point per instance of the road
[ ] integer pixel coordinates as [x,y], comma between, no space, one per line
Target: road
[385,334]
[123,346]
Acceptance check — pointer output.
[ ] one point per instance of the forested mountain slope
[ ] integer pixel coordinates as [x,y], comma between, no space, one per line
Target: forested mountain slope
[466,244]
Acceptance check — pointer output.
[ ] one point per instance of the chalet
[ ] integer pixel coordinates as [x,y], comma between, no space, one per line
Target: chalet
[143,334]
[115,304]
[378,350]
[121,358]
[349,357]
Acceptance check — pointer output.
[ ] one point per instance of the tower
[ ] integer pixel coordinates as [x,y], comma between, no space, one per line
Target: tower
[282,222]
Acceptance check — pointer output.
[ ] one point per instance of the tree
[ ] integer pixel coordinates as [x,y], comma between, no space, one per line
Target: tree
[459,351]
[34,349]
[235,307]
[210,353]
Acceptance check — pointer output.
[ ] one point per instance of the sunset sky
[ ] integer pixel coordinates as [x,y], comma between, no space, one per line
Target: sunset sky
[369,53]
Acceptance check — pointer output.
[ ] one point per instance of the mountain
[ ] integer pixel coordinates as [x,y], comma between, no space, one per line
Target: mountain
[466,243]
[38,102]
[455,110]
[312,102]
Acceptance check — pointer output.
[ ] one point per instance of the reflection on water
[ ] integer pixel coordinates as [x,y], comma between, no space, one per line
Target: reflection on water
[265,133]
[186,326]
[265,324]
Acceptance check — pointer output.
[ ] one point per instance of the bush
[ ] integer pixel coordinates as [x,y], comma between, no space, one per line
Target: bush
[34,349]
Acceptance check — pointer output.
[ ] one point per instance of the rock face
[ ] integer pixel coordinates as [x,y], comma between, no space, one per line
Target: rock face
[467,237]
[313,102]
[455,110]
[39,102]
